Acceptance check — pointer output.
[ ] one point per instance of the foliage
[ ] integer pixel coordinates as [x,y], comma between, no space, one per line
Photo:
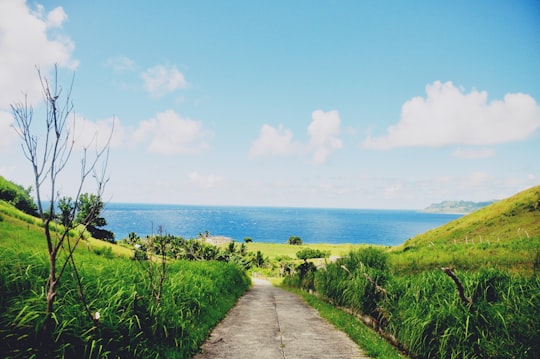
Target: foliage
[310,253]
[48,150]
[295,240]
[18,196]
[175,247]
[424,313]
[259,259]
[195,296]
[430,321]
[89,209]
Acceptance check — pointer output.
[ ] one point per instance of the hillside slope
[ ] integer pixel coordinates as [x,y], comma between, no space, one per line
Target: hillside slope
[129,309]
[504,235]
[512,218]
[24,232]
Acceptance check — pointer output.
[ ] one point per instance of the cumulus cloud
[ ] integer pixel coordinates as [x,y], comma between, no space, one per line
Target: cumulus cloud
[55,17]
[274,141]
[324,131]
[324,140]
[95,134]
[168,133]
[449,116]
[161,80]
[27,41]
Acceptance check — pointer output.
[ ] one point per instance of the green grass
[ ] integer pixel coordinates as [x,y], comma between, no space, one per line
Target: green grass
[503,235]
[132,323]
[273,250]
[20,230]
[516,217]
[496,251]
[424,312]
[519,256]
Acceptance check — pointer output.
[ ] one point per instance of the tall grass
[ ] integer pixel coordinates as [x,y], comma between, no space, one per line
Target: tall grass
[130,323]
[425,314]
[430,321]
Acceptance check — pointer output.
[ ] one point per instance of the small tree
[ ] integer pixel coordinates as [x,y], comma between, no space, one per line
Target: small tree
[49,153]
[232,247]
[248,240]
[295,240]
[89,211]
[259,259]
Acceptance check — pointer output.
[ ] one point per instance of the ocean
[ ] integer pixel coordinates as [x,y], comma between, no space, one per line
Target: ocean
[273,225]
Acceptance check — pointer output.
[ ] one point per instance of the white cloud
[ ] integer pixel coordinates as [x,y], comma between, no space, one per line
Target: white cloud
[168,133]
[121,64]
[205,182]
[324,131]
[26,42]
[161,80]
[474,153]
[448,116]
[56,17]
[89,134]
[274,142]
[8,136]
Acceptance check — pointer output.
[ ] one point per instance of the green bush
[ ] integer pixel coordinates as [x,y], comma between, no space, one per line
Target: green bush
[310,253]
[17,196]
[295,240]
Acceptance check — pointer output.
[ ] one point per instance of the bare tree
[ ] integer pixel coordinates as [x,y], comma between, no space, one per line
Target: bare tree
[48,152]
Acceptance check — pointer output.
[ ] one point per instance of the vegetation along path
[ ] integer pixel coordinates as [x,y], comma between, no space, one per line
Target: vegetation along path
[269,322]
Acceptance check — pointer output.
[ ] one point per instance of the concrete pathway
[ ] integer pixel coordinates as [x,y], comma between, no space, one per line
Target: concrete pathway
[269,322]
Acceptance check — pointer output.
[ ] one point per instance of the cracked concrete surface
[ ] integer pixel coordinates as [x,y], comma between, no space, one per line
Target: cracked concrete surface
[269,322]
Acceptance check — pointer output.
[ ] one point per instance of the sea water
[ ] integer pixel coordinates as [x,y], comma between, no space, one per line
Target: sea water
[271,224]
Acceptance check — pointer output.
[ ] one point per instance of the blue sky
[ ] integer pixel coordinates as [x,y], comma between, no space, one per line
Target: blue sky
[360,104]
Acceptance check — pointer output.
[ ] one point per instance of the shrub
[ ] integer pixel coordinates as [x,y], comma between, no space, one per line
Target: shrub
[295,240]
[310,253]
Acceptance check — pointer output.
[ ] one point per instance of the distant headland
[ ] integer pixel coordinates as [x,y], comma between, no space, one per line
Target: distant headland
[456,207]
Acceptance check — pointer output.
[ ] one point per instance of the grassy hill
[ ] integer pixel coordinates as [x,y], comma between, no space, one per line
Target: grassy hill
[134,322]
[505,234]
[468,289]
[511,218]
[24,232]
